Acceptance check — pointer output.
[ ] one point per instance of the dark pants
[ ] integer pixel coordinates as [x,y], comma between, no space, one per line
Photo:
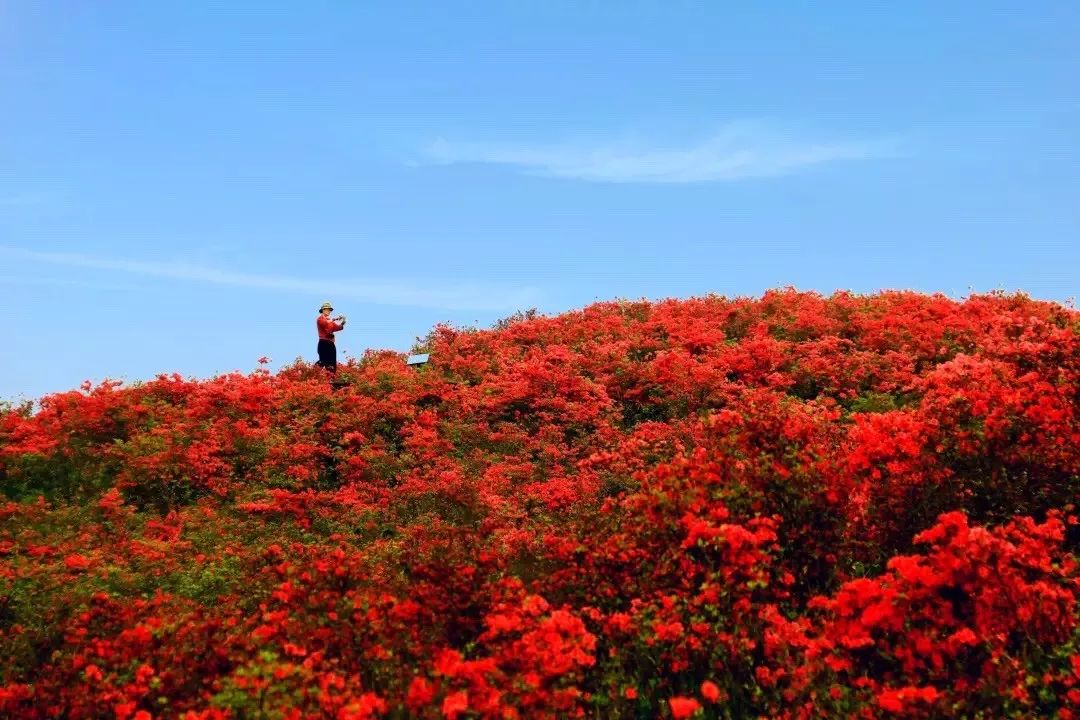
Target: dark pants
[327,355]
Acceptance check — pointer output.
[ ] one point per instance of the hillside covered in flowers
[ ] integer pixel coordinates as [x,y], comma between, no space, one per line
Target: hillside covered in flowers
[791,506]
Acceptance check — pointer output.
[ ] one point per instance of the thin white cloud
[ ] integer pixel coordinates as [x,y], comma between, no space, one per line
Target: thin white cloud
[449,296]
[68,283]
[23,199]
[738,151]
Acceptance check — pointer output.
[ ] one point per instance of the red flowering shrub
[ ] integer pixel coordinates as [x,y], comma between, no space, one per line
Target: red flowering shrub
[791,506]
[962,627]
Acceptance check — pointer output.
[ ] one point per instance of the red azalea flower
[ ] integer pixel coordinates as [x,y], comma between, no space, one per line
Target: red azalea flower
[455,704]
[683,707]
[710,691]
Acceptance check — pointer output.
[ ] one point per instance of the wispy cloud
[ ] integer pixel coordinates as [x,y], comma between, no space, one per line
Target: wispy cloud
[449,296]
[738,151]
[33,280]
[23,199]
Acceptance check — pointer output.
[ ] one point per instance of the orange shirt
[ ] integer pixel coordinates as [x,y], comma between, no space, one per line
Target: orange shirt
[327,327]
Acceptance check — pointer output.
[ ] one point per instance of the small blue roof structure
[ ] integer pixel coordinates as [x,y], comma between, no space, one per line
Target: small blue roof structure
[417,359]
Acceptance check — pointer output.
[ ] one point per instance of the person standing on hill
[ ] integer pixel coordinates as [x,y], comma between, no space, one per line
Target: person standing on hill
[326,327]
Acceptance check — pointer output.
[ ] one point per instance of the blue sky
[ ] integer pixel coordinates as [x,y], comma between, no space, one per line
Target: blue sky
[181,184]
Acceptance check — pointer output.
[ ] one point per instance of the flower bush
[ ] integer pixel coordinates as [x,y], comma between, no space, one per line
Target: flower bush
[788,506]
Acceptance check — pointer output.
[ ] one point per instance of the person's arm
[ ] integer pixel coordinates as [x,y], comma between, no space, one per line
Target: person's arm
[327,325]
[339,323]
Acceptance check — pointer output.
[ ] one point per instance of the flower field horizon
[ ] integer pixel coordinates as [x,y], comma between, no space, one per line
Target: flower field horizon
[790,506]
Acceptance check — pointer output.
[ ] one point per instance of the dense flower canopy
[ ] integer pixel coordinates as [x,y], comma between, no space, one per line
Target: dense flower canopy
[790,506]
